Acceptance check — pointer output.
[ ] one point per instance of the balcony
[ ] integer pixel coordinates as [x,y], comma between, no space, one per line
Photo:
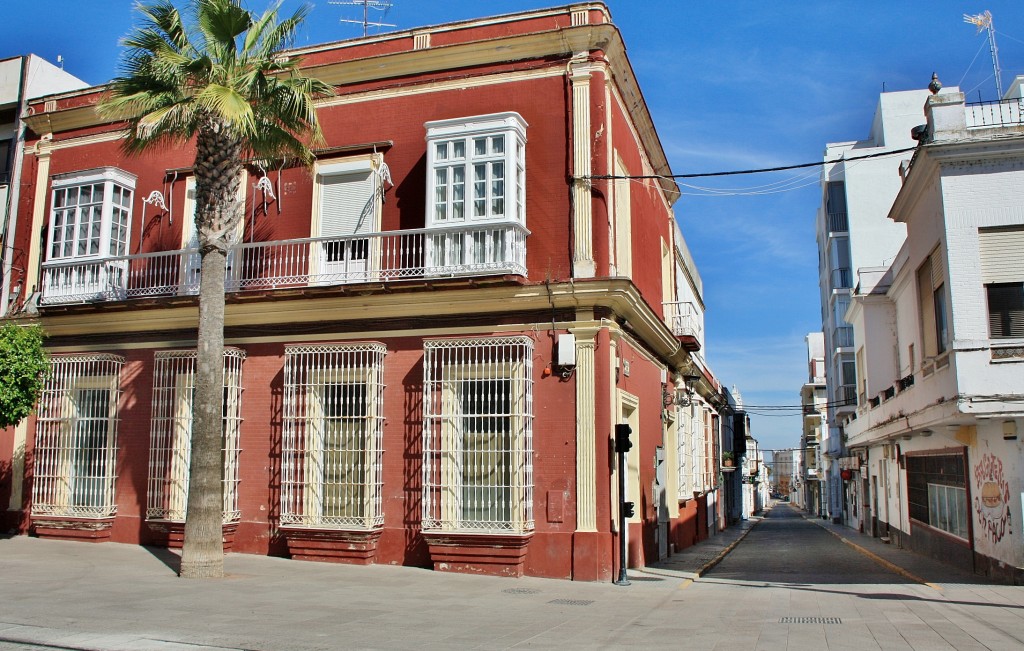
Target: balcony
[837,222]
[842,337]
[842,278]
[684,320]
[846,396]
[478,250]
[1003,113]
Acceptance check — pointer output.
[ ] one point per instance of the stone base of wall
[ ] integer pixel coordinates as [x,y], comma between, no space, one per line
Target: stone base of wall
[478,553]
[172,534]
[78,529]
[354,547]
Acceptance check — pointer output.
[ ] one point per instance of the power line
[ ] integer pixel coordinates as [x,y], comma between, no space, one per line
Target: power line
[780,168]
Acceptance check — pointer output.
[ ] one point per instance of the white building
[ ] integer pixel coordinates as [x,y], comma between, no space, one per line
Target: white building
[857,191]
[813,402]
[21,78]
[940,345]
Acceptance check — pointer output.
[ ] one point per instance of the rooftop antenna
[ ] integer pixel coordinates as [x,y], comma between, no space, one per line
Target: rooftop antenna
[984,21]
[367,5]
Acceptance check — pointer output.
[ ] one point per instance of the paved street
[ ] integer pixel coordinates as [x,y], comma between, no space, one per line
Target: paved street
[765,593]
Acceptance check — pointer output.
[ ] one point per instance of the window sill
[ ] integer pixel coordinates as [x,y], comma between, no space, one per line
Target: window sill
[1008,350]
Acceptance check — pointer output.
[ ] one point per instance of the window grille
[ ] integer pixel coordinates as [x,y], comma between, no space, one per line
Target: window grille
[684,439]
[76,437]
[170,449]
[478,435]
[332,443]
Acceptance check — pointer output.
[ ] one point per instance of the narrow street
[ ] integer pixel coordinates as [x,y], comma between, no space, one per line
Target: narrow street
[791,584]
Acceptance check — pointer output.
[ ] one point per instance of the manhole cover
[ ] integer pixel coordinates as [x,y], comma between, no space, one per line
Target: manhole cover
[520,591]
[572,602]
[810,620]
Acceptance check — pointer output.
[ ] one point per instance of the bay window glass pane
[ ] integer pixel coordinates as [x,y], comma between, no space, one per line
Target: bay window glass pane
[497,189]
[460,149]
[458,192]
[480,146]
[479,189]
[441,151]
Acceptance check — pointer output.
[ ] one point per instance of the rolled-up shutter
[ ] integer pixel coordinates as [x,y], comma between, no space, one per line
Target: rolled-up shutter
[1002,255]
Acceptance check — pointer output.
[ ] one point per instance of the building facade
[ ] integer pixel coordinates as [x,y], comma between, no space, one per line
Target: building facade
[430,335]
[939,336]
[853,233]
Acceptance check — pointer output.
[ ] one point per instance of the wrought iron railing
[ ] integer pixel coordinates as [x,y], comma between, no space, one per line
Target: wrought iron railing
[478,250]
[837,222]
[842,278]
[684,319]
[846,396]
[1002,113]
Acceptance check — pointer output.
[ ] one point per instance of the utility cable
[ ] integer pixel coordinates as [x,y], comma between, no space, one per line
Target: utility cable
[780,168]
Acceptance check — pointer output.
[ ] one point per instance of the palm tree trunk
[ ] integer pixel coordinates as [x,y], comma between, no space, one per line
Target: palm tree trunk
[203,553]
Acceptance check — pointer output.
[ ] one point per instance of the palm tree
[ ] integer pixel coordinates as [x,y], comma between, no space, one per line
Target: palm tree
[217,75]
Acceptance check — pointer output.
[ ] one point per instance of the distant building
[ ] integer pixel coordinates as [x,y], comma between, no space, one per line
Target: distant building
[853,232]
[813,401]
[22,78]
[939,338]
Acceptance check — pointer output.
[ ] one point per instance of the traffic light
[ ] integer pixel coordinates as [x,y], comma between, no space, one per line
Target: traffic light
[622,442]
[628,510]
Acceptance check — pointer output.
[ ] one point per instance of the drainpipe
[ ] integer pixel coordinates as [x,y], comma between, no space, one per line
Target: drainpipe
[14,189]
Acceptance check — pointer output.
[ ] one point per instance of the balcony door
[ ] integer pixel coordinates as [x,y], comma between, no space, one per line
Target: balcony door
[347,207]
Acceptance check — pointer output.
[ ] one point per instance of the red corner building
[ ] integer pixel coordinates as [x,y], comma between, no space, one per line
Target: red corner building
[430,334]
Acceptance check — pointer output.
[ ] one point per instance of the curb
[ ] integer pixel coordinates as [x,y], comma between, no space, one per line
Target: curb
[725,552]
[889,565]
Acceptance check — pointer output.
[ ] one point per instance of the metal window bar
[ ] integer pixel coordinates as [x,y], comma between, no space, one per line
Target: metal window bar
[478,435]
[74,465]
[170,448]
[332,448]
[684,445]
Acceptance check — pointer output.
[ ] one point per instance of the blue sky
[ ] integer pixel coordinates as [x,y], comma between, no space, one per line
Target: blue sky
[731,85]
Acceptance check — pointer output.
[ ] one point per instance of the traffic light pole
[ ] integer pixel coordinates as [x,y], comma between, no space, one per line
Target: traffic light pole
[622,446]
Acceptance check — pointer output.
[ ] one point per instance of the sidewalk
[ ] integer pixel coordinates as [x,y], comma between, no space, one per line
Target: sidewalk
[68,595]
[905,562]
[693,562]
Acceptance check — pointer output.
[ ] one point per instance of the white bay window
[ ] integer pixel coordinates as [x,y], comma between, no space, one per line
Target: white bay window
[170,448]
[76,437]
[476,191]
[478,435]
[90,223]
[332,447]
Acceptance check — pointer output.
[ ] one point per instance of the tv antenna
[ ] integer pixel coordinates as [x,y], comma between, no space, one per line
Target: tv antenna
[983,21]
[367,5]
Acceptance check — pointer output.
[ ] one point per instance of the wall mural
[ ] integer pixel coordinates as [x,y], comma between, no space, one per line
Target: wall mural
[992,499]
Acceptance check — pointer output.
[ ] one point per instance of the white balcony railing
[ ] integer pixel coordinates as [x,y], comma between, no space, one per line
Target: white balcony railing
[1002,113]
[478,250]
[684,319]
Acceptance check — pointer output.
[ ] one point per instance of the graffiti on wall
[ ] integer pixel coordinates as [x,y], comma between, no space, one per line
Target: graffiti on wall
[992,499]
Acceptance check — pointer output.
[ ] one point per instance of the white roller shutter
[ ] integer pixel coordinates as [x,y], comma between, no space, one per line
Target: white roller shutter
[347,203]
[1002,255]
